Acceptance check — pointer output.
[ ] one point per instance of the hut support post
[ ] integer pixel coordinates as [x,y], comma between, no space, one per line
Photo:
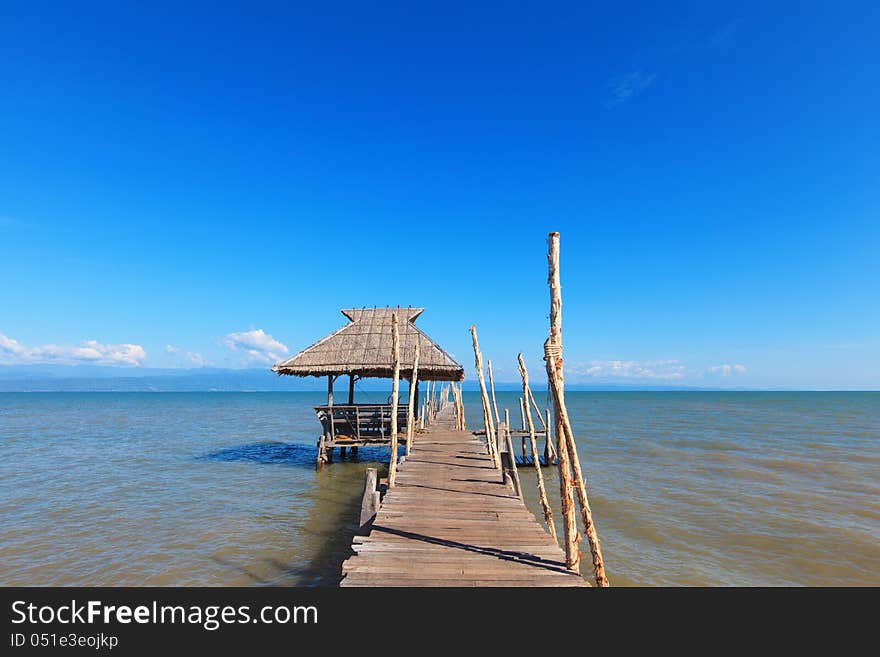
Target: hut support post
[413,385]
[484,397]
[395,389]
[567,450]
[351,380]
[322,453]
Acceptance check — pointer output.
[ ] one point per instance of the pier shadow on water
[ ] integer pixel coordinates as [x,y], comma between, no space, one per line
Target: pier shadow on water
[268,453]
[333,502]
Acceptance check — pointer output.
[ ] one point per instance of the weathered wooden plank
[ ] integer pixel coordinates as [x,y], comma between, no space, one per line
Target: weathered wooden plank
[451,522]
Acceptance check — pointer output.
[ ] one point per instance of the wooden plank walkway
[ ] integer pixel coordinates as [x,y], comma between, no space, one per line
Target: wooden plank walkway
[450,521]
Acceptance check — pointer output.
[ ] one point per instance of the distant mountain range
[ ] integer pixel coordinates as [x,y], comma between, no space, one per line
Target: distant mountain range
[91,378]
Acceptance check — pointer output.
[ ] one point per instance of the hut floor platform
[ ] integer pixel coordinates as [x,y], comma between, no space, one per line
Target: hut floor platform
[450,521]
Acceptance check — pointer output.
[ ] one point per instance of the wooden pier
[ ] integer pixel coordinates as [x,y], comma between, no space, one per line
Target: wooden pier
[450,520]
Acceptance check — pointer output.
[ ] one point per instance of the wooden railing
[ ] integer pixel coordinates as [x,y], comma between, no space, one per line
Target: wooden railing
[360,422]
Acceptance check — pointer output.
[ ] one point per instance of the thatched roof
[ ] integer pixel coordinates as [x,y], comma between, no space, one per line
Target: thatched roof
[363,347]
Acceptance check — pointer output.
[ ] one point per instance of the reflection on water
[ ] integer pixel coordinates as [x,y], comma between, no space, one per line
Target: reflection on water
[220,488]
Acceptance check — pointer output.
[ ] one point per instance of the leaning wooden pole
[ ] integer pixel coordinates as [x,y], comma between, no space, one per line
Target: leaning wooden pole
[459,400]
[410,411]
[395,388]
[484,397]
[538,412]
[492,389]
[461,407]
[545,502]
[566,448]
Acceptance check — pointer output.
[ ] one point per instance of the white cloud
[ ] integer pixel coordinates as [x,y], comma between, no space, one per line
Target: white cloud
[89,351]
[193,358]
[629,369]
[257,344]
[196,359]
[626,87]
[726,369]
[724,35]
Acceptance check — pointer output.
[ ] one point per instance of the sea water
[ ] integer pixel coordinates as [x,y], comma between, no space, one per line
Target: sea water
[687,488]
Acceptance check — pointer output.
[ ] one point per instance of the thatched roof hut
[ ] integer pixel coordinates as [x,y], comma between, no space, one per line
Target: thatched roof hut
[362,348]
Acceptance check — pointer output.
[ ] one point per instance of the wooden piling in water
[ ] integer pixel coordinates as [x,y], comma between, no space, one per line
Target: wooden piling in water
[566,447]
[395,386]
[370,500]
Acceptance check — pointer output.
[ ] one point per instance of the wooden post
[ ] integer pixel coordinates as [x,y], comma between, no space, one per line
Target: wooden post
[332,420]
[484,397]
[410,420]
[566,447]
[322,454]
[395,385]
[459,400]
[350,389]
[522,414]
[461,405]
[454,405]
[538,412]
[542,491]
[370,500]
[514,472]
[503,454]
[549,450]
[492,388]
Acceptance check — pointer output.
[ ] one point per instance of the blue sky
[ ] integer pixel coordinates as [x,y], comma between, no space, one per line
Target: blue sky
[181,187]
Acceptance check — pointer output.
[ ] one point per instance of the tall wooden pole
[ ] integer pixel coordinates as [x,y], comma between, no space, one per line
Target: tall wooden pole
[395,387]
[351,389]
[566,487]
[545,503]
[566,448]
[484,397]
[413,385]
[492,388]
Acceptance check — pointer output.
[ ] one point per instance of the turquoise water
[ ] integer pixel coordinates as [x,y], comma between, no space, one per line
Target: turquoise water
[220,488]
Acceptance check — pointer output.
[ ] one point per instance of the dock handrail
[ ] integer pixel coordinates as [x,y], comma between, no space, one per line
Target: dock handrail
[362,422]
